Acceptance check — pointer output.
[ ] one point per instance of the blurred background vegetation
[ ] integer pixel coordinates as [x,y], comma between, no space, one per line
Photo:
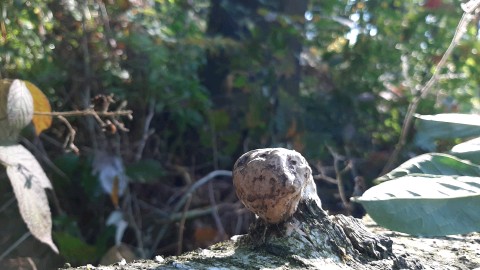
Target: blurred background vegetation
[208,80]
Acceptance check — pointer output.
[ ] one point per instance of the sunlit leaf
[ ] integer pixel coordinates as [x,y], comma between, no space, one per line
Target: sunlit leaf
[433,164]
[445,126]
[29,182]
[16,109]
[40,104]
[426,205]
[432,194]
[469,150]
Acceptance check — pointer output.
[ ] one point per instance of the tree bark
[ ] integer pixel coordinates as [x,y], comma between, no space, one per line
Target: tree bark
[311,239]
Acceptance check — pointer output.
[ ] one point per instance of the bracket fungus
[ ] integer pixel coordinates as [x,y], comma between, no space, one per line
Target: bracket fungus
[271,182]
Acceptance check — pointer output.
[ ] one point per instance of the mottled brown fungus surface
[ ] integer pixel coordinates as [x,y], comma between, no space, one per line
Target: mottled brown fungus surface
[271,182]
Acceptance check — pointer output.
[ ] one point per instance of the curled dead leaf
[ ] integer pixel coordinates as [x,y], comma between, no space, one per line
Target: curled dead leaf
[40,104]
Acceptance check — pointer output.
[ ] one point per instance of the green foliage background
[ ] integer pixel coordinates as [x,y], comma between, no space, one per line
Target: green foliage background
[220,78]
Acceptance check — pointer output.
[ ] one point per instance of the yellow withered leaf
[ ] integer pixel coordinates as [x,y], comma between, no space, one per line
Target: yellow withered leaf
[40,104]
[115,192]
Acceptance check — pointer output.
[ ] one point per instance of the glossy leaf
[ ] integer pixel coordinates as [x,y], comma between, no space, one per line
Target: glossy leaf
[445,126]
[469,150]
[433,164]
[426,205]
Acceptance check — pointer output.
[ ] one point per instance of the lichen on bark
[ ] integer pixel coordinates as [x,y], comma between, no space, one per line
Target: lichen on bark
[305,238]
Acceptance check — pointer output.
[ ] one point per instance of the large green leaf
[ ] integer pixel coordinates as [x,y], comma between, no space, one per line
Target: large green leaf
[426,205]
[469,150]
[445,126]
[433,164]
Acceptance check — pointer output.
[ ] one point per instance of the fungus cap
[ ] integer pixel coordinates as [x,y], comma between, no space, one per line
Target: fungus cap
[271,182]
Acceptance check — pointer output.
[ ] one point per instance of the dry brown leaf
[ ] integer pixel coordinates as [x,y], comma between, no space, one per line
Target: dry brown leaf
[205,236]
[114,195]
[40,104]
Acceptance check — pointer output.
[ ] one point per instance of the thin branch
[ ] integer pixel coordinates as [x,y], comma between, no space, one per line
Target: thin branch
[183,200]
[134,222]
[323,174]
[14,245]
[218,222]
[470,7]
[181,227]
[88,112]
[146,130]
[199,183]
[194,213]
[7,204]
[326,178]
[340,182]
[44,157]
[69,142]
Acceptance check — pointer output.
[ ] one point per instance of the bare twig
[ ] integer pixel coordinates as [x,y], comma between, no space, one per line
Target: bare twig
[69,141]
[182,201]
[146,130]
[106,24]
[323,175]
[214,144]
[199,183]
[471,9]
[218,222]
[7,204]
[49,163]
[44,157]
[340,182]
[88,112]
[134,222]
[194,213]
[15,245]
[326,178]
[238,225]
[181,227]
